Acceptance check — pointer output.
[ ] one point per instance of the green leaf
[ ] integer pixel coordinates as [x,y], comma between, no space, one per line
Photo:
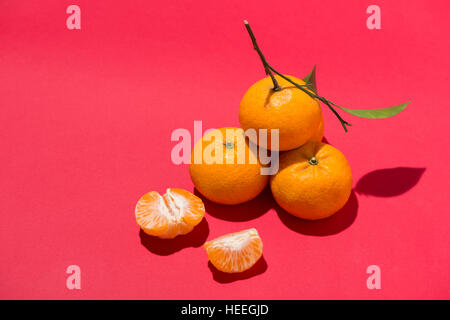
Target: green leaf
[382,113]
[375,113]
[311,80]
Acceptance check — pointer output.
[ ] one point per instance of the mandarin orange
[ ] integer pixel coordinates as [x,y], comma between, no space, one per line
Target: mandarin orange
[228,171]
[313,181]
[290,110]
[318,134]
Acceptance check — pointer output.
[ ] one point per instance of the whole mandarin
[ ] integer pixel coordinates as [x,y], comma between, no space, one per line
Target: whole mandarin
[290,110]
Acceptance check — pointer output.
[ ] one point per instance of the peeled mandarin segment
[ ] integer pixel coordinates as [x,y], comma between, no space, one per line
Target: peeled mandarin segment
[193,207]
[175,213]
[235,252]
[148,214]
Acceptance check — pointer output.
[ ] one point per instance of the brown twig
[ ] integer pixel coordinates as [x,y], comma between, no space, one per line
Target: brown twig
[276,86]
[268,68]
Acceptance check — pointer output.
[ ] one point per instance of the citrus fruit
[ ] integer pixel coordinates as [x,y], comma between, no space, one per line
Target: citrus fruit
[318,134]
[229,171]
[235,252]
[292,111]
[176,212]
[313,181]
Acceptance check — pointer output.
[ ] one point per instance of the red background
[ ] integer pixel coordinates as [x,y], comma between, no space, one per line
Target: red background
[85,126]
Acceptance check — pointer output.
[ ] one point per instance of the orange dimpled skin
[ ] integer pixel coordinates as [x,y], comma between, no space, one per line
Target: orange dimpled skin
[236,176]
[318,135]
[176,212]
[313,181]
[235,252]
[292,111]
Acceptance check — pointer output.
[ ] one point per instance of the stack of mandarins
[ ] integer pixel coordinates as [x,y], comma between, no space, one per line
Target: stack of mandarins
[313,180]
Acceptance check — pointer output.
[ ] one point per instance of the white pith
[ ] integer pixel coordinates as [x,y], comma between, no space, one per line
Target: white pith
[235,241]
[174,209]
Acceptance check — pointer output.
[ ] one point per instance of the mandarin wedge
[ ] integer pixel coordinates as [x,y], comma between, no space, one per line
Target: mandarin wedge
[176,212]
[235,252]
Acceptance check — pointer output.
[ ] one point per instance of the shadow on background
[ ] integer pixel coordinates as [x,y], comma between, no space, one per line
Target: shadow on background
[241,212]
[389,182]
[222,277]
[164,247]
[338,222]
